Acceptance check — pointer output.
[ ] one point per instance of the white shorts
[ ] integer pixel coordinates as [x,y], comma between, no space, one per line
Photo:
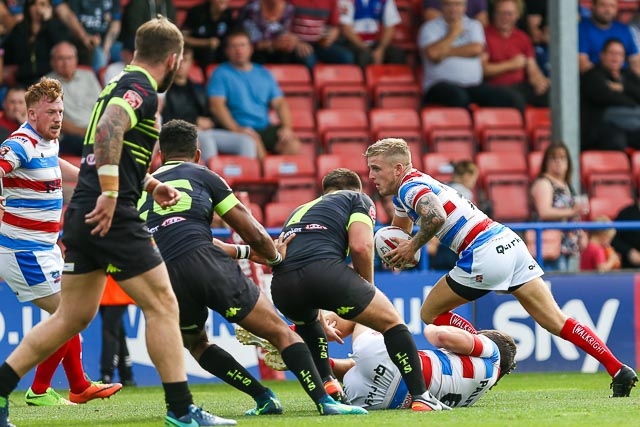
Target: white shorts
[32,274]
[497,264]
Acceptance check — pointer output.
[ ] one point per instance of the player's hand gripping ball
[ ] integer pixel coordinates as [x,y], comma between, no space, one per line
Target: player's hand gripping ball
[384,244]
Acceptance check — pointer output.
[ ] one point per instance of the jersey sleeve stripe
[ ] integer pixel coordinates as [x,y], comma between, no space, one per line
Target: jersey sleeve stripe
[423,192]
[6,166]
[125,105]
[449,207]
[478,346]
[467,366]
[225,205]
[360,217]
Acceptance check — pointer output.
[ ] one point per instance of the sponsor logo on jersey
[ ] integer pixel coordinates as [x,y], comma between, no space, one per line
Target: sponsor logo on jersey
[174,220]
[4,150]
[133,98]
[372,213]
[315,227]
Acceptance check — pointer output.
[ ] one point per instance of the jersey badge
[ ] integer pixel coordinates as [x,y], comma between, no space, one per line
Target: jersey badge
[133,98]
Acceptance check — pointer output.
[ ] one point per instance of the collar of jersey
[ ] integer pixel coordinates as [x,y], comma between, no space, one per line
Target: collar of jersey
[131,67]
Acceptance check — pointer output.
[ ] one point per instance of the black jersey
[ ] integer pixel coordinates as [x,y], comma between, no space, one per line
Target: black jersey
[187,225]
[135,91]
[321,227]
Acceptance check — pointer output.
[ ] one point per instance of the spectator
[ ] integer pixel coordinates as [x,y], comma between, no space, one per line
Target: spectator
[15,111]
[367,29]
[627,242]
[554,200]
[115,68]
[476,9]
[137,12]
[7,20]
[114,353]
[28,46]
[451,47]
[598,255]
[509,60]
[102,20]
[610,102]
[205,29]
[537,27]
[268,24]
[240,95]
[315,24]
[185,100]
[81,89]
[594,32]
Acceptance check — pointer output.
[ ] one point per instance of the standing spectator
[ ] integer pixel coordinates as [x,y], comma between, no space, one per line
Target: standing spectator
[594,32]
[598,255]
[240,95]
[451,47]
[554,200]
[476,9]
[610,102]
[114,352]
[15,111]
[268,24]
[81,88]
[537,26]
[101,19]
[28,46]
[627,242]
[185,100]
[367,29]
[137,12]
[205,29]
[509,60]
[316,24]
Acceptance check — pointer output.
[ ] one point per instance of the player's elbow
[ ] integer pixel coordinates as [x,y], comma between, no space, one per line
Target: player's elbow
[361,247]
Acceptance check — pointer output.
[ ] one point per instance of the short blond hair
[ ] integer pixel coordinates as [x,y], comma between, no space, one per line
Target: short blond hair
[396,149]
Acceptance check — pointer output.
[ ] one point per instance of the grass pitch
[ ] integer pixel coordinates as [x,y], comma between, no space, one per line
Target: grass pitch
[523,400]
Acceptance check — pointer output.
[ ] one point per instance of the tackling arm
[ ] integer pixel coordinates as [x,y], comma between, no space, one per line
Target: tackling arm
[451,338]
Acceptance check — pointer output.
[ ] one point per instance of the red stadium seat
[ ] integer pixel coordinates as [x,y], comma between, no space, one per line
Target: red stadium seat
[340,86]
[635,168]
[551,244]
[606,173]
[399,123]
[439,165]
[500,129]
[276,213]
[534,159]
[295,82]
[295,175]
[448,129]
[537,122]
[608,206]
[328,162]
[392,85]
[343,130]
[244,174]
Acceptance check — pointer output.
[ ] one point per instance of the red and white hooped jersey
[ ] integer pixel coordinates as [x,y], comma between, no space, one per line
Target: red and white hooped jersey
[32,187]
[464,222]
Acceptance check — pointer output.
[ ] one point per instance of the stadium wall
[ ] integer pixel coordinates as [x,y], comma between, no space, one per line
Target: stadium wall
[608,303]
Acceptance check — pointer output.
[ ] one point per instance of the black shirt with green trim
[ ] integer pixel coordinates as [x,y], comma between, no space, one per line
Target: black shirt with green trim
[321,227]
[187,225]
[135,91]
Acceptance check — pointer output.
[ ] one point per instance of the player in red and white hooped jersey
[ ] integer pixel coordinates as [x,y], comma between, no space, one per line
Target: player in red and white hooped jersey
[491,256]
[458,371]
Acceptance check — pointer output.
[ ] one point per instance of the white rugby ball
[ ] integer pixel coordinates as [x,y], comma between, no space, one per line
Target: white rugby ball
[384,244]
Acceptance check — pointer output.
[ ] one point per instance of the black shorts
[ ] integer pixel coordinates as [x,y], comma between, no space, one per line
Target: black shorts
[270,137]
[328,284]
[472,294]
[127,250]
[206,277]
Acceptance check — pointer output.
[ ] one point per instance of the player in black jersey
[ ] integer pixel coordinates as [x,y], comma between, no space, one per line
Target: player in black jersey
[104,234]
[203,276]
[315,276]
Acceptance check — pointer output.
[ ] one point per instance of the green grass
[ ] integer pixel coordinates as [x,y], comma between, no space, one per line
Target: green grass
[560,399]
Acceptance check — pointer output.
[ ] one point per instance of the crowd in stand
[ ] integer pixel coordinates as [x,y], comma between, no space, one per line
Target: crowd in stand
[466,53]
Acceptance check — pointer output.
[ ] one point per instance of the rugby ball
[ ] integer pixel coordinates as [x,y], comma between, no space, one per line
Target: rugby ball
[384,244]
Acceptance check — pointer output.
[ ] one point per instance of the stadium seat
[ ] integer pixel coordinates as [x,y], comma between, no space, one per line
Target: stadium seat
[399,123]
[439,165]
[608,206]
[244,174]
[295,82]
[304,126]
[392,85]
[209,70]
[537,122]
[276,213]
[551,244]
[343,130]
[448,129]
[503,176]
[256,211]
[328,162]
[295,175]
[635,168]
[606,173]
[500,129]
[340,86]
[534,160]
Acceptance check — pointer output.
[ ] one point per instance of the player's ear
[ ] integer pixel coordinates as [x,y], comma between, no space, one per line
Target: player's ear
[196,158]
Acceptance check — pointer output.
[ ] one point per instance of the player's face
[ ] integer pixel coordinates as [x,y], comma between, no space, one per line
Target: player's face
[384,175]
[46,118]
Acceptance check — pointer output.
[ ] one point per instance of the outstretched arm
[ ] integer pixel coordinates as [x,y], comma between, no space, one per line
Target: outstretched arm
[451,338]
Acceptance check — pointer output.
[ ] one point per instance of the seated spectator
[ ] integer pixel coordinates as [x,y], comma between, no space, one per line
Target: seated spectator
[28,47]
[15,111]
[476,9]
[185,100]
[593,34]
[627,242]
[81,89]
[240,95]
[205,29]
[268,24]
[451,47]
[509,60]
[7,20]
[137,12]
[537,26]
[367,29]
[554,200]
[610,102]
[315,24]
[598,255]
[101,20]
[115,68]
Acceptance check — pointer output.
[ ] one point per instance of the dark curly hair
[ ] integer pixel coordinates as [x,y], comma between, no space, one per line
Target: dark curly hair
[506,346]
